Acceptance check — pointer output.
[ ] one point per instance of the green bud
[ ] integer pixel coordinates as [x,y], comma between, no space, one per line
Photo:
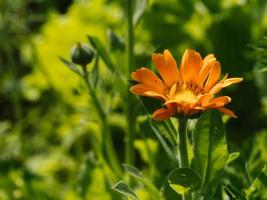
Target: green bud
[81,54]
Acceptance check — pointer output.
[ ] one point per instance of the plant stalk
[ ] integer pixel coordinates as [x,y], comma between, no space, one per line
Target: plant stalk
[182,137]
[131,118]
[107,144]
[182,148]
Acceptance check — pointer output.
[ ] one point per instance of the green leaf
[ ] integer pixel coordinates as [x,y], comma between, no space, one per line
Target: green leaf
[140,6]
[210,150]
[150,104]
[95,71]
[229,192]
[183,179]
[132,170]
[156,129]
[124,189]
[116,42]
[71,66]
[96,43]
[247,173]
[153,190]
[232,157]
[259,186]
[162,128]
[84,175]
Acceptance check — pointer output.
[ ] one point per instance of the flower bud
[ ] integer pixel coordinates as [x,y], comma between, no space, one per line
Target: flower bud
[81,54]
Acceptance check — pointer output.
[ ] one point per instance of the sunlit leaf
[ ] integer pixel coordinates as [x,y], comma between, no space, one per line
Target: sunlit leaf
[247,173]
[232,157]
[229,192]
[210,149]
[184,179]
[132,170]
[258,187]
[124,189]
[140,6]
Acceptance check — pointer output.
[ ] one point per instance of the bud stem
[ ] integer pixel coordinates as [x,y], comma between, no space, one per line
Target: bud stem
[107,144]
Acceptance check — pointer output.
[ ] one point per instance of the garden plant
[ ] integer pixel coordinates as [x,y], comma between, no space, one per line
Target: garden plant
[130,99]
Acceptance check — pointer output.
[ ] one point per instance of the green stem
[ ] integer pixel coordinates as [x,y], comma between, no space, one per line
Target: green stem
[183,153]
[131,118]
[182,136]
[107,145]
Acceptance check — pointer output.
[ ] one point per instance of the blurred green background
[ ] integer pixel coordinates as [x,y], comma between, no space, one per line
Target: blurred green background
[47,123]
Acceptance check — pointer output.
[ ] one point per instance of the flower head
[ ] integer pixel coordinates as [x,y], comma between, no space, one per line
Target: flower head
[188,91]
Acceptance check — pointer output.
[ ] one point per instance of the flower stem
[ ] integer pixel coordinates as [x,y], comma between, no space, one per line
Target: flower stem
[131,118]
[107,145]
[182,136]
[182,149]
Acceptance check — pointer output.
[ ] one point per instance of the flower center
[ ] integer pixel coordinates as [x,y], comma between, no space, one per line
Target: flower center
[185,93]
[186,96]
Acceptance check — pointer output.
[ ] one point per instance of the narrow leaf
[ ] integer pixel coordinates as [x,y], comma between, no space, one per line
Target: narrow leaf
[232,157]
[153,190]
[124,189]
[164,127]
[71,66]
[184,179]
[132,170]
[96,43]
[140,6]
[116,42]
[95,71]
[258,186]
[162,141]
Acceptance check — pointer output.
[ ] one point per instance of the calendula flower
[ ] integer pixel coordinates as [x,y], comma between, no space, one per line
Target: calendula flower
[187,91]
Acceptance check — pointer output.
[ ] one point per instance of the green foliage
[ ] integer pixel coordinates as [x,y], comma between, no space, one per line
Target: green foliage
[51,136]
[184,179]
[210,150]
[123,188]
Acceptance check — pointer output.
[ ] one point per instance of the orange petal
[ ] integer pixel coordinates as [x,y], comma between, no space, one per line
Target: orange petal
[172,91]
[163,114]
[213,77]
[205,69]
[145,90]
[190,66]
[149,78]
[219,102]
[167,67]
[224,83]
[227,112]
[204,99]
[208,59]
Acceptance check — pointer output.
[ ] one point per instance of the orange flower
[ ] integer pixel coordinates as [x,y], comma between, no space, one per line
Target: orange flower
[189,90]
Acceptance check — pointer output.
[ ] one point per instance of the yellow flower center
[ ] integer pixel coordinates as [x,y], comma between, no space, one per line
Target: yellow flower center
[185,96]
[185,93]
